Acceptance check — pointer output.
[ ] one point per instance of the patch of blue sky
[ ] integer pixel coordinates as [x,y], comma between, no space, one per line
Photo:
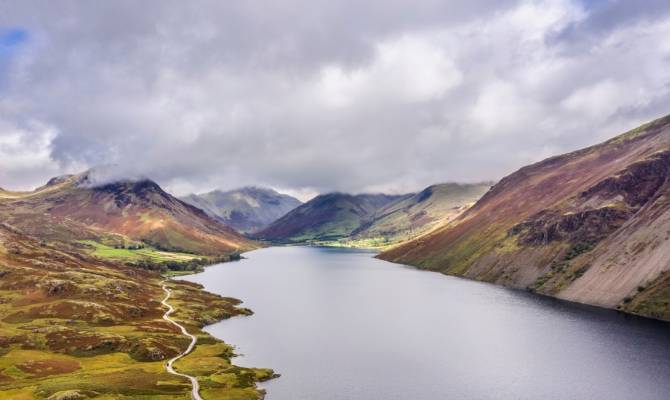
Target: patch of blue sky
[11,40]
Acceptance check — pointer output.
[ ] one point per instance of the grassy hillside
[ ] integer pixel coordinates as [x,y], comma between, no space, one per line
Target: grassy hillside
[327,217]
[589,226]
[247,209]
[415,215]
[134,253]
[75,327]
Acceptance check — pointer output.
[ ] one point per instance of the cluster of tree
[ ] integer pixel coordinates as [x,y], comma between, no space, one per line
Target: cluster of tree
[171,249]
[129,247]
[194,264]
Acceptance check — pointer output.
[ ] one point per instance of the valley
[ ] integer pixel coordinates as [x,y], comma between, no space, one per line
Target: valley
[336,200]
[84,312]
[372,221]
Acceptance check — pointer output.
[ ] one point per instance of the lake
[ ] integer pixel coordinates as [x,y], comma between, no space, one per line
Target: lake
[340,324]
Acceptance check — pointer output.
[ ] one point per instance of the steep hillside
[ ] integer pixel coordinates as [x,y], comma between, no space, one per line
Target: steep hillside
[590,226]
[76,327]
[410,217]
[327,217]
[247,209]
[78,207]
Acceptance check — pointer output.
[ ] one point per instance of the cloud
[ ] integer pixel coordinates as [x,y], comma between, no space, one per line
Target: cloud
[319,96]
[404,70]
[25,151]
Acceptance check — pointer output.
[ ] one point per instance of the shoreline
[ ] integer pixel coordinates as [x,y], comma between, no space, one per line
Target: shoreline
[530,292]
[175,278]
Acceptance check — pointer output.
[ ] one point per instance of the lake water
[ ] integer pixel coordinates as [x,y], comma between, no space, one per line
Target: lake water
[339,324]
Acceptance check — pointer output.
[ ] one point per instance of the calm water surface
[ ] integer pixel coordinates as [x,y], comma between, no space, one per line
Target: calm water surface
[339,324]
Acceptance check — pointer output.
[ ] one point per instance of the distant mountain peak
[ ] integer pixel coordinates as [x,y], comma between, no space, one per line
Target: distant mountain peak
[247,209]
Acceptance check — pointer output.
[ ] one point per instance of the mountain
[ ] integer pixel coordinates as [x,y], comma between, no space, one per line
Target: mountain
[82,207]
[327,217]
[417,214]
[79,319]
[591,226]
[247,209]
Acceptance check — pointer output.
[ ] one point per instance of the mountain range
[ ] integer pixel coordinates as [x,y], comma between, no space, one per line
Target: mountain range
[372,220]
[80,305]
[327,217]
[591,226]
[247,210]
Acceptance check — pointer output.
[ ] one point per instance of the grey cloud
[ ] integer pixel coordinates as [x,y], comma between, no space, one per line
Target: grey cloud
[320,96]
[606,16]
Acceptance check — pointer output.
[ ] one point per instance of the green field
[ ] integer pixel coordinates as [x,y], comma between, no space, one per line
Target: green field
[131,255]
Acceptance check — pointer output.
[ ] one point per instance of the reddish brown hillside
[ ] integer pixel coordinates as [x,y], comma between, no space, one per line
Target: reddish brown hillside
[75,208]
[590,226]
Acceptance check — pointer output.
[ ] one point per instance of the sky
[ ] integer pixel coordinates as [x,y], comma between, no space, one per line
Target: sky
[312,96]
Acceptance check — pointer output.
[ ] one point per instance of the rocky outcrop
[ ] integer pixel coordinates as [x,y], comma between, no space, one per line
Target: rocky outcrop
[589,226]
[68,395]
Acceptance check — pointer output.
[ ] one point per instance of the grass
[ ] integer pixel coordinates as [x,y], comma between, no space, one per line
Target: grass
[39,366]
[176,274]
[124,254]
[633,133]
[651,300]
[73,326]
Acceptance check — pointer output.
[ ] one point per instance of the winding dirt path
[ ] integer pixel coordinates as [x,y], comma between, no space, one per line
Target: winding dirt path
[195,393]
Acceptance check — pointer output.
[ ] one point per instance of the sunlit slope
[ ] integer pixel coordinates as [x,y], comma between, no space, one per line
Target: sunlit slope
[75,208]
[412,216]
[589,226]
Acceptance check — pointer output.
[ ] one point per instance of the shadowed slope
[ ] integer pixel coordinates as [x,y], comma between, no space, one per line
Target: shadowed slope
[247,209]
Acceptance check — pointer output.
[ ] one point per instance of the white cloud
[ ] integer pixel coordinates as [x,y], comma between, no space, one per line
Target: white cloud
[500,108]
[25,153]
[318,96]
[403,70]
[596,101]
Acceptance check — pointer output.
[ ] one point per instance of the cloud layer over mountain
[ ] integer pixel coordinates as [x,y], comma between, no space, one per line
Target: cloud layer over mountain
[313,96]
